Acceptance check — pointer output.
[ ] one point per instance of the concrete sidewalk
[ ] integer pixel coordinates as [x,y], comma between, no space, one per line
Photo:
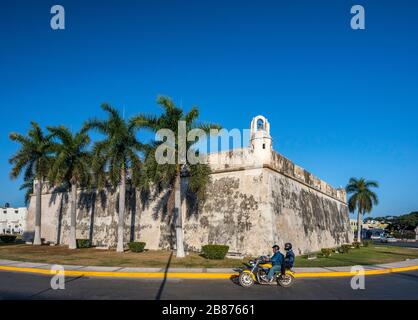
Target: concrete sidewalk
[196,273]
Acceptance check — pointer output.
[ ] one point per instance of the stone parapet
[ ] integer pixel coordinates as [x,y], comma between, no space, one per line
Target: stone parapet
[244,159]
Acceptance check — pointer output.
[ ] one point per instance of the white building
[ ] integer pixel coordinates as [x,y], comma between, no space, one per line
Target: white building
[374,224]
[13,220]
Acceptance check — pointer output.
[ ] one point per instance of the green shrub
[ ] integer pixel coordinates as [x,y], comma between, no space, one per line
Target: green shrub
[367,243]
[342,249]
[7,238]
[326,252]
[397,235]
[83,243]
[136,246]
[410,235]
[356,244]
[346,247]
[407,234]
[215,251]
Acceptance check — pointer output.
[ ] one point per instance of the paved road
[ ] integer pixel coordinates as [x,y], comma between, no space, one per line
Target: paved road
[30,286]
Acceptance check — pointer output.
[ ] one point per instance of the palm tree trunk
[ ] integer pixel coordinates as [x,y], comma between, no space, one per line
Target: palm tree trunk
[72,242]
[178,218]
[359,225]
[121,218]
[38,194]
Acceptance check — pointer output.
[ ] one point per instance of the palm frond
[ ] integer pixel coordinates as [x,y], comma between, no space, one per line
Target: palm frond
[114,113]
[362,198]
[167,103]
[34,154]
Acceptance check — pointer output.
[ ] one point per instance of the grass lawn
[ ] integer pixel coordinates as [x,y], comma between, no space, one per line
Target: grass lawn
[95,257]
[363,256]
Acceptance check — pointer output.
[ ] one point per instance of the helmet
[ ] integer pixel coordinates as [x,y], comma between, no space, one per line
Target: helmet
[275,247]
[288,246]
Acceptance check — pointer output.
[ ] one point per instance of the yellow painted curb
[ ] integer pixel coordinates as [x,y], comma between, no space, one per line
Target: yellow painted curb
[196,275]
[75,273]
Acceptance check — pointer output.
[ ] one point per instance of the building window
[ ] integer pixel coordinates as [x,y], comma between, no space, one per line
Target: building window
[4,211]
[264,145]
[16,211]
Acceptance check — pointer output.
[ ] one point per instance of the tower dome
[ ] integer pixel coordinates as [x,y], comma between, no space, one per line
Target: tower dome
[260,138]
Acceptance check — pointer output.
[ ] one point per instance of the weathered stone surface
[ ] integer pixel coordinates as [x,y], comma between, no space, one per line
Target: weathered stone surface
[256,198]
[248,210]
[305,217]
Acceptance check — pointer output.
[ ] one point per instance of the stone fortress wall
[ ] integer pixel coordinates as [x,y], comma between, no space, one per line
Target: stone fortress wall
[256,198]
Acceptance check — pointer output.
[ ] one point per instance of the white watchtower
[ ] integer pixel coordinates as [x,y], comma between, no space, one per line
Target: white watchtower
[260,139]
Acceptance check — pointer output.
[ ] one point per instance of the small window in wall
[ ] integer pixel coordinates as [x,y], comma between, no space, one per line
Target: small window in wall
[16,211]
[4,211]
[264,145]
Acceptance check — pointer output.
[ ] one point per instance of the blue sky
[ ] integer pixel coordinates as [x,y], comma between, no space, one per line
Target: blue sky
[341,103]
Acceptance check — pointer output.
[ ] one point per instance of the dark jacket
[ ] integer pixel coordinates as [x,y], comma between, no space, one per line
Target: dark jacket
[277,259]
[289,260]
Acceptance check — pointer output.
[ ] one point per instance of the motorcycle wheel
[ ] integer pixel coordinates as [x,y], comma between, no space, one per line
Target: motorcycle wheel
[246,280]
[285,281]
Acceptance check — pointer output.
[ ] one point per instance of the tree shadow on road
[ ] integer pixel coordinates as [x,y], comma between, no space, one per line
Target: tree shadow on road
[161,289]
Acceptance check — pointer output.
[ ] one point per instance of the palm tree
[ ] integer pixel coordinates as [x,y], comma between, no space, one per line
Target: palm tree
[362,199]
[168,175]
[28,186]
[71,166]
[117,155]
[33,159]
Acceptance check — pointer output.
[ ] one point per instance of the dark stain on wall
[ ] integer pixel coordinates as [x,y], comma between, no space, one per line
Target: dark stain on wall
[319,213]
[228,211]
[307,177]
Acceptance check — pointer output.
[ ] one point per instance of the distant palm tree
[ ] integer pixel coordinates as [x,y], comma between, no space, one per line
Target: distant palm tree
[115,157]
[33,159]
[168,176]
[72,166]
[362,199]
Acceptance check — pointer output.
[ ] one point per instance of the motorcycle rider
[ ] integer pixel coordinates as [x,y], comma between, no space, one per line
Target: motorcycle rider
[289,259]
[277,261]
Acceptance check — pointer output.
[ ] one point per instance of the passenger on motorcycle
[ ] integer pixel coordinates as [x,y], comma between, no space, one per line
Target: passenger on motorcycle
[289,259]
[276,261]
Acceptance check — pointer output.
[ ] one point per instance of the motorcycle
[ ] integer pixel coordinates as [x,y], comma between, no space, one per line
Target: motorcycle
[256,272]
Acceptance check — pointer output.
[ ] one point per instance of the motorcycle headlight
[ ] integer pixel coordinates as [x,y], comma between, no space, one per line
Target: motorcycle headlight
[251,263]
